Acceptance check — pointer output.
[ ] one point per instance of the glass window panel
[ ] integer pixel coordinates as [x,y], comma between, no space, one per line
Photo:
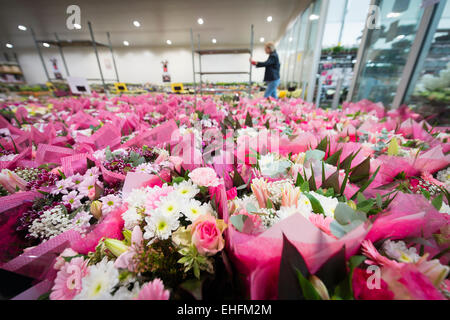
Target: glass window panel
[430,87]
[387,50]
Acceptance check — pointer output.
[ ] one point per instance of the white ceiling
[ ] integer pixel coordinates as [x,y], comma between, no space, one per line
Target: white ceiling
[226,20]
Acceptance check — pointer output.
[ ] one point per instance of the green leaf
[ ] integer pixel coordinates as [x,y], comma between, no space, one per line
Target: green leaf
[322,144]
[426,194]
[305,187]
[365,185]
[315,204]
[269,204]
[334,158]
[309,292]
[299,180]
[437,202]
[361,172]
[332,182]
[238,221]
[312,181]
[248,120]
[379,201]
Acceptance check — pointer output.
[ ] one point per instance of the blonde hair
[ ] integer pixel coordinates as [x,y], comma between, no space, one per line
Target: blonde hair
[270,45]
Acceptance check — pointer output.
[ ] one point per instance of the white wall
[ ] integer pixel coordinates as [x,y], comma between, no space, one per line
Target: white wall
[137,65]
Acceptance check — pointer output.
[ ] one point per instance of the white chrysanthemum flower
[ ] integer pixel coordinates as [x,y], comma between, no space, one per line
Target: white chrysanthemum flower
[171,205]
[444,208]
[8,157]
[304,206]
[193,209]
[124,294]
[328,204]
[132,218]
[161,225]
[100,155]
[137,197]
[186,189]
[276,189]
[147,168]
[100,281]
[397,250]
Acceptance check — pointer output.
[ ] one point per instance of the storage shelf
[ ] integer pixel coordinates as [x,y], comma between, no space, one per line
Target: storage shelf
[223,51]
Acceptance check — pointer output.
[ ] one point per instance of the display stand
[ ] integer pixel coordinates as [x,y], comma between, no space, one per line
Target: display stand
[219,51]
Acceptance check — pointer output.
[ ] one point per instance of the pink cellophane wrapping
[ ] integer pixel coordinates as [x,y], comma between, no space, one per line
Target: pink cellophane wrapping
[36,291]
[38,261]
[408,215]
[51,154]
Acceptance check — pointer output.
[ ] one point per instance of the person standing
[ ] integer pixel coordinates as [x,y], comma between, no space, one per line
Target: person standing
[272,72]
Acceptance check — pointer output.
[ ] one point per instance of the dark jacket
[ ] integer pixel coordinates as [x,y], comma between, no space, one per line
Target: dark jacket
[272,67]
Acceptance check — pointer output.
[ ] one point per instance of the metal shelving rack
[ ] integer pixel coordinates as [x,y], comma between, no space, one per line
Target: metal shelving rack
[77,43]
[219,51]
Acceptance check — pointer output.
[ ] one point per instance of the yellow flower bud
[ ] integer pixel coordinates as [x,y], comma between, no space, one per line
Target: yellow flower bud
[320,287]
[116,247]
[96,209]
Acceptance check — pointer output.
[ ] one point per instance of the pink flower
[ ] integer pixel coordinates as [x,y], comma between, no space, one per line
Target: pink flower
[323,223]
[125,260]
[205,177]
[68,280]
[68,252]
[156,194]
[57,170]
[408,283]
[11,181]
[207,234]
[153,290]
[375,257]
[177,162]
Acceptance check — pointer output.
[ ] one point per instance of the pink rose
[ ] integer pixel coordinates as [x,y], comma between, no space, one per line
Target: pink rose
[177,162]
[207,234]
[205,177]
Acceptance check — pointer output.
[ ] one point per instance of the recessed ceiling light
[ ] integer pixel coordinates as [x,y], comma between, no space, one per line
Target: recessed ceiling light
[136,23]
[126,43]
[269,18]
[21,27]
[261,39]
[214,40]
[9,45]
[313,17]
[169,42]
[393,14]
[400,37]
[77,26]
[200,21]
[45,44]
[290,39]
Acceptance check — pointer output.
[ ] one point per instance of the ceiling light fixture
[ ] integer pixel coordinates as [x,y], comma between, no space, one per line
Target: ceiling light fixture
[77,26]
[126,43]
[9,45]
[214,40]
[400,37]
[169,42]
[200,21]
[21,27]
[290,39]
[393,14]
[313,17]
[136,23]
[261,39]
[45,44]
[269,19]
